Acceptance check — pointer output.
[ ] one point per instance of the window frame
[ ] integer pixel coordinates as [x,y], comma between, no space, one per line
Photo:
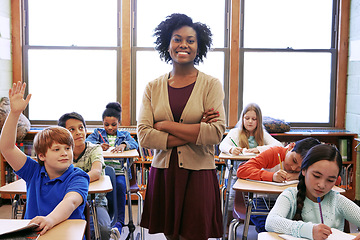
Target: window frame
[26,47]
[334,60]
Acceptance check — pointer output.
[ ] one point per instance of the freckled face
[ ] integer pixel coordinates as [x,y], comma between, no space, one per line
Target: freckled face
[183,45]
[58,157]
[320,177]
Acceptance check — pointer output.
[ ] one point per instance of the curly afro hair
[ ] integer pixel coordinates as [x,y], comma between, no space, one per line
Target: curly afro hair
[164,30]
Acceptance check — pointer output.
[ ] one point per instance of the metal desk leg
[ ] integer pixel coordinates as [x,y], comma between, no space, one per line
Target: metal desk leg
[128,193]
[248,214]
[225,210]
[95,220]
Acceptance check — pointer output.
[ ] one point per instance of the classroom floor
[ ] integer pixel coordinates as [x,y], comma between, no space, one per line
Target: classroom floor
[5,213]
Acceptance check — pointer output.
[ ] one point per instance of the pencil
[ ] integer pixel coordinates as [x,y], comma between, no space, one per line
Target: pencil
[101,136]
[281,167]
[233,142]
[322,219]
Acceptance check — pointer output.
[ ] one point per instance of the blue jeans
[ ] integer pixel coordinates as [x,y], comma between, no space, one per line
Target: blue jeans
[121,199]
[104,223]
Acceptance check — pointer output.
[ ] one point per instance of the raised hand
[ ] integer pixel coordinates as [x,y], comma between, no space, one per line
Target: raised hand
[16,96]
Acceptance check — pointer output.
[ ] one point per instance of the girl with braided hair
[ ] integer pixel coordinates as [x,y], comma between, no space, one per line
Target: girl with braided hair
[297,211]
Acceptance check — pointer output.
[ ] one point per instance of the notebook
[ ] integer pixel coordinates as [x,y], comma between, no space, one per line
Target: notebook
[336,235]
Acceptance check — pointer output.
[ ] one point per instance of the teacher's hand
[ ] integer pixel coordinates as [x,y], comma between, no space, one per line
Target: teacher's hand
[210,116]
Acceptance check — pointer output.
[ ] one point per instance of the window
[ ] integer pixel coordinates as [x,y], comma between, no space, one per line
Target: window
[288,59]
[71,57]
[148,63]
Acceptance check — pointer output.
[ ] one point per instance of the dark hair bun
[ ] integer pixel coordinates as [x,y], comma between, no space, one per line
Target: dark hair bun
[114,105]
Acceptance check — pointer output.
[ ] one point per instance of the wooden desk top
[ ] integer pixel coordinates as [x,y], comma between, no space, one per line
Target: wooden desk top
[258,187]
[102,185]
[275,236]
[236,157]
[126,154]
[72,229]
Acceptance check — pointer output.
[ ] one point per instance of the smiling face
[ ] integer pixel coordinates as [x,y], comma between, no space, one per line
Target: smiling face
[57,159]
[183,45]
[250,121]
[111,125]
[77,130]
[320,177]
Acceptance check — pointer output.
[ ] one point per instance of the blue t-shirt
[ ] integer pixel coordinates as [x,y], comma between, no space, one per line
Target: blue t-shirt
[43,194]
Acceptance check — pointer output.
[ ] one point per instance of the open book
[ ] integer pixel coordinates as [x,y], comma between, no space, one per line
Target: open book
[277,183]
[18,230]
[336,235]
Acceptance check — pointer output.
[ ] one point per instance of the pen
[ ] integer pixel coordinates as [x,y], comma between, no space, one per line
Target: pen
[322,219]
[101,136]
[281,167]
[233,142]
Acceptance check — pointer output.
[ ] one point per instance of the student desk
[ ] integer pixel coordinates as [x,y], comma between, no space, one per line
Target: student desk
[251,187]
[102,185]
[232,158]
[129,155]
[72,229]
[275,236]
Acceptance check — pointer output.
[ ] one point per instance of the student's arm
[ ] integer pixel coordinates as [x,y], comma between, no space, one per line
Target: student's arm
[13,155]
[227,146]
[280,217]
[94,137]
[253,168]
[96,170]
[129,141]
[62,211]
[97,163]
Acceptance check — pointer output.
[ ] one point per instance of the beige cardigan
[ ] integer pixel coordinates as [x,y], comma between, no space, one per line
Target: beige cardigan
[207,93]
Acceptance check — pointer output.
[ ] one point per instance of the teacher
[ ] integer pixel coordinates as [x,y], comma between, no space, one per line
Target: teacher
[182,117]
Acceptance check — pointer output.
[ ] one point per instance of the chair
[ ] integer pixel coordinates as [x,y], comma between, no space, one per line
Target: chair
[87,218]
[260,204]
[134,189]
[112,205]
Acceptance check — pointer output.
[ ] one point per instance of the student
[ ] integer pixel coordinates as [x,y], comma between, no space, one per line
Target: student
[89,158]
[56,190]
[120,140]
[297,211]
[266,167]
[248,135]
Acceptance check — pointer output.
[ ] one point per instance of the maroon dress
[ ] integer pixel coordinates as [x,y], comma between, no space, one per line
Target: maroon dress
[178,201]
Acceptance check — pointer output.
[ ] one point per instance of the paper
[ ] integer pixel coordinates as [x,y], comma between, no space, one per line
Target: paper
[277,183]
[245,152]
[336,235]
[16,226]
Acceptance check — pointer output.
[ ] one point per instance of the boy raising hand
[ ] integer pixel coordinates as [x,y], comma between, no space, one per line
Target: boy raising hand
[56,190]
